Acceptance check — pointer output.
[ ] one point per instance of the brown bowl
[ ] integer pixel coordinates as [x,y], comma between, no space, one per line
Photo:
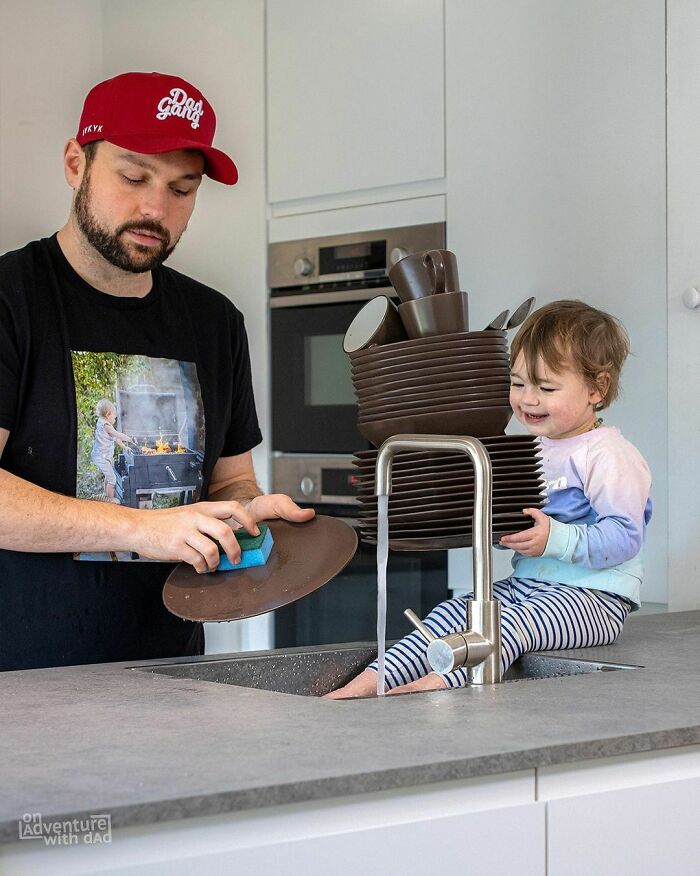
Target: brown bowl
[463,500]
[474,422]
[469,388]
[489,441]
[410,410]
[500,454]
[437,520]
[387,354]
[449,527]
[498,390]
[460,341]
[462,482]
[408,388]
[421,483]
[443,541]
[376,389]
[450,480]
[420,343]
[428,366]
[431,356]
[498,462]
[446,371]
[436,315]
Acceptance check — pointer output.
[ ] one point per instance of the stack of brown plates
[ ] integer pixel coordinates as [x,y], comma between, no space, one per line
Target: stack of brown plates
[454,384]
[432,499]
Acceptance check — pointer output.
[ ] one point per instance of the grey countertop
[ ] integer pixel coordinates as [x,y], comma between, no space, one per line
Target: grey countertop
[148,748]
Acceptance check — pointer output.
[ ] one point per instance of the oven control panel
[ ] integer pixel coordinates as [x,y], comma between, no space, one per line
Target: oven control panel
[315,479]
[364,256]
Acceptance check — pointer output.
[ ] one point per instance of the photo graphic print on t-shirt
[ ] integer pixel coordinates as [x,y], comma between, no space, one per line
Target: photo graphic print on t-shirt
[141,433]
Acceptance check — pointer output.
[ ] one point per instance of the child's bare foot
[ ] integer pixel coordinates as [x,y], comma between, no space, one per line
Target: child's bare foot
[432,681]
[363,685]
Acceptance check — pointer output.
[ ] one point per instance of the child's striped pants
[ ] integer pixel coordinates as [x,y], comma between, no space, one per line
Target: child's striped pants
[534,617]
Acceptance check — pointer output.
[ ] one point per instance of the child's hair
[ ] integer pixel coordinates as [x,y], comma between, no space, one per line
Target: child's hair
[575,335]
[104,405]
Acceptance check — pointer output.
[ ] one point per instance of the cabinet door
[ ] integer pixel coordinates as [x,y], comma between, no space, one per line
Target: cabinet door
[556,184]
[642,831]
[683,323]
[477,826]
[355,95]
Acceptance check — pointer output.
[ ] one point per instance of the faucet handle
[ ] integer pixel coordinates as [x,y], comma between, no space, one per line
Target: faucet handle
[419,625]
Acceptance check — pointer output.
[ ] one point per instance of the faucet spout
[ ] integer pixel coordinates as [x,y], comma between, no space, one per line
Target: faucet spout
[479,647]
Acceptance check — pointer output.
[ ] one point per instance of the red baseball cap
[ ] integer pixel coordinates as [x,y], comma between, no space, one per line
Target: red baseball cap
[151,113]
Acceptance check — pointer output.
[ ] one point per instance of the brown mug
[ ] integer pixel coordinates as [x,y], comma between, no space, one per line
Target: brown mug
[436,315]
[377,322]
[425,273]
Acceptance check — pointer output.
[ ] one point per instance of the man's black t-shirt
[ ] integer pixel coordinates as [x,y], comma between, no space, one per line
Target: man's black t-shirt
[174,368]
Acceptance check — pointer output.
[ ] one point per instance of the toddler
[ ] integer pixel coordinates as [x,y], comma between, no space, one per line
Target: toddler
[102,454]
[577,572]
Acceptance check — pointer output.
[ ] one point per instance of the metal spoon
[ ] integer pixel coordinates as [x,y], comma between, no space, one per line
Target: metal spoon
[498,323]
[520,314]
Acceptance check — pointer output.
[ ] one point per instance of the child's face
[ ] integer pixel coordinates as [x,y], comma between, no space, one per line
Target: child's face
[111,416]
[557,405]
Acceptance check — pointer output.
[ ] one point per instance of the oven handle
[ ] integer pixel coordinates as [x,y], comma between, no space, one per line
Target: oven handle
[332,297]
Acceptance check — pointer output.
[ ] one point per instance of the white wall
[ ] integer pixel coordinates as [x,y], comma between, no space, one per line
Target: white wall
[219,47]
[220,50]
[50,55]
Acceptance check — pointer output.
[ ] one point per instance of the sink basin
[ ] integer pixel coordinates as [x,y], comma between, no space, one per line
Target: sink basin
[315,670]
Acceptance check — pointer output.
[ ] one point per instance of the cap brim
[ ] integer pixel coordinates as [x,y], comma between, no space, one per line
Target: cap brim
[217,165]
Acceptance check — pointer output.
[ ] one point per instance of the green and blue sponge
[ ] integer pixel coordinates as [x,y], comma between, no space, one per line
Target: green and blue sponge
[255,549]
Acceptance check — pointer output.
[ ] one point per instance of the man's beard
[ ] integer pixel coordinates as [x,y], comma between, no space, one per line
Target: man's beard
[109,244]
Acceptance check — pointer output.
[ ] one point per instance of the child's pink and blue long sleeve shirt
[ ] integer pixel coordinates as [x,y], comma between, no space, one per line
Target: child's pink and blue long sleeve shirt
[598,487]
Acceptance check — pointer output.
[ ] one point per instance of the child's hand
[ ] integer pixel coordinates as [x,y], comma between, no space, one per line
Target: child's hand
[530,542]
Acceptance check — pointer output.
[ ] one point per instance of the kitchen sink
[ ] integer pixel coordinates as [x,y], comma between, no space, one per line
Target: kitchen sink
[314,671]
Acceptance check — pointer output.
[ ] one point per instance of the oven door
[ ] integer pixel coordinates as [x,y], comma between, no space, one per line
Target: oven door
[313,400]
[345,609]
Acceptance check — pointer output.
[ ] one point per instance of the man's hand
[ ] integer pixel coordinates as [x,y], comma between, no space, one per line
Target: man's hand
[530,542]
[278,506]
[185,533]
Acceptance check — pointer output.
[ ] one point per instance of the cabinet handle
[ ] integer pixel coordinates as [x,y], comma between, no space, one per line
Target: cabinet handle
[691,297]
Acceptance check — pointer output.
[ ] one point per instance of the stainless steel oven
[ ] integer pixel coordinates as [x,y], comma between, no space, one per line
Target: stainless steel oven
[316,288]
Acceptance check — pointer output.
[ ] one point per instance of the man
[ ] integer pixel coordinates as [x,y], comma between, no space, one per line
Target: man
[92,324]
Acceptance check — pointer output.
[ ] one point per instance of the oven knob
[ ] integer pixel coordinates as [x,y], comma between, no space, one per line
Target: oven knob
[307,486]
[398,253]
[303,267]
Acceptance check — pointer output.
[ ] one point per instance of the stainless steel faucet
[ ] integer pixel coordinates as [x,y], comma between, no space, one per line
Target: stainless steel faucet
[478,647]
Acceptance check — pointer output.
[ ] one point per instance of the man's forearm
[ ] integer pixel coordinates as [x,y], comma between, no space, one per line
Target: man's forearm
[36,520]
[239,491]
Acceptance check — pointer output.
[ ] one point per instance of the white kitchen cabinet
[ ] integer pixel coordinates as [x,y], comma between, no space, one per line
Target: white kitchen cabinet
[556,186]
[458,826]
[635,815]
[355,95]
[644,831]
[683,24]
